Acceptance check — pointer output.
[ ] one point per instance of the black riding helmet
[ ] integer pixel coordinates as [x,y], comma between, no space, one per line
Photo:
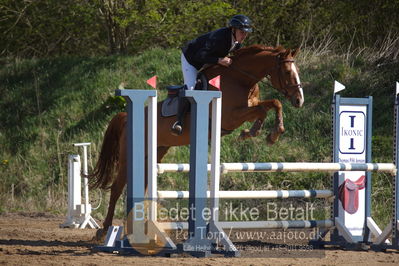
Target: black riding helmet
[241,22]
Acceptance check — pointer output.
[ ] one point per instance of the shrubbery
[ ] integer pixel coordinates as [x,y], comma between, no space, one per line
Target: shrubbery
[98,27]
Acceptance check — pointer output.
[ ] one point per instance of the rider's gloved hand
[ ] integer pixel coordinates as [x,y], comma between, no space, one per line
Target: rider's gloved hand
[225,61]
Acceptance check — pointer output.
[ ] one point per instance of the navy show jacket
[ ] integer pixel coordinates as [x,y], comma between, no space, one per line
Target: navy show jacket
[208,48]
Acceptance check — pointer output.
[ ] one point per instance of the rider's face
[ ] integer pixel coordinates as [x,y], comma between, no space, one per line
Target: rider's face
[240,35]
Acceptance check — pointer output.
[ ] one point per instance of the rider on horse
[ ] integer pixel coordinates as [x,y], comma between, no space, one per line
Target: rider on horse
[210,48]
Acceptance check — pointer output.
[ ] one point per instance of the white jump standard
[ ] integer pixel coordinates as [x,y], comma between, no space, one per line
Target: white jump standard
[79,215]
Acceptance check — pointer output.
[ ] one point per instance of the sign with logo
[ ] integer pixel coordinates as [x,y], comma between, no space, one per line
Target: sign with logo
[352,131]
[351,145]
[352,149]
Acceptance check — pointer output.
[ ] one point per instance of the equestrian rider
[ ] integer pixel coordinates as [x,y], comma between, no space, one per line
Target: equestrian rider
[210,48]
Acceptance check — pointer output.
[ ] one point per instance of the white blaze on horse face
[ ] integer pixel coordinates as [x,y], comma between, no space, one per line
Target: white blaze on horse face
[298,81]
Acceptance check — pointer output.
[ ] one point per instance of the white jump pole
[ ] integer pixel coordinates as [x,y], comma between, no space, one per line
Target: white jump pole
[251,194]
[152,134]
[154,230]
[285,167]
[215,156]
[214,193]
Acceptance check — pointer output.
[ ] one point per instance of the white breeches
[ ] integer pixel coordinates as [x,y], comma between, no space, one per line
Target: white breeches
[189,73]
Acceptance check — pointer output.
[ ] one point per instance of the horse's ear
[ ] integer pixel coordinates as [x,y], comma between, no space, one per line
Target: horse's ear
[295,52]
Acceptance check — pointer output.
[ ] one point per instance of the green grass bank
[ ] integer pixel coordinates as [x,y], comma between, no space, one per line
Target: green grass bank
[46,105]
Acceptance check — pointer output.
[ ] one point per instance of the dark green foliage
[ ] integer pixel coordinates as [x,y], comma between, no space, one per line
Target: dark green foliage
[98,27]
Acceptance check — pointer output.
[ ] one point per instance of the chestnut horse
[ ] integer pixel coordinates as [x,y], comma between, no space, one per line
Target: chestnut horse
[240,103]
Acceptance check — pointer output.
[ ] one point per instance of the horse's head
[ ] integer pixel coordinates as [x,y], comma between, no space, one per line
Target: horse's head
[285,77]
[277,63]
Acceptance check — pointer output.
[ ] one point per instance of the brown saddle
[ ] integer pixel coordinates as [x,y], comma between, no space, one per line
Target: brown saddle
[348,194]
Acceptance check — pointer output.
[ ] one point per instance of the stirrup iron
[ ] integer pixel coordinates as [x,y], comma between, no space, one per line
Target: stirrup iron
[176,129]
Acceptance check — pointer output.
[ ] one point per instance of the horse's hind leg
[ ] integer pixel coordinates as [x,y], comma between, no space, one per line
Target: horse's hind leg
[116,191]
[116,188]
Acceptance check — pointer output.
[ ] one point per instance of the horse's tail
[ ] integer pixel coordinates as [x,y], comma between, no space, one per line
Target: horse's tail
[103,174]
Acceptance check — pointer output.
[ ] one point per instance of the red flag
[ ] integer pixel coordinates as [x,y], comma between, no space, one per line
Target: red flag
[152,82]
[215,82]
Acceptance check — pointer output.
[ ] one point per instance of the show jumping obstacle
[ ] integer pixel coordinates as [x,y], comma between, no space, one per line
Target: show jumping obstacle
[351,182]
[79,215]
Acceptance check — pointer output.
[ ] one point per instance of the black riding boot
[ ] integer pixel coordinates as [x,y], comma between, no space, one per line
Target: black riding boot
[177,128]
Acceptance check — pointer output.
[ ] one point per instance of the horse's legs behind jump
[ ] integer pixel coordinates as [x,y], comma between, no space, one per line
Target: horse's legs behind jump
[118,186]
[116,191]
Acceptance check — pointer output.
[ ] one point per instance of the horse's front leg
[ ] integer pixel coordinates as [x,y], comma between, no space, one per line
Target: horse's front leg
[258,113]
[278,128]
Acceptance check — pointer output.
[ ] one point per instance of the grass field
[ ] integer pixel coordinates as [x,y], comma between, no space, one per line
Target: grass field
[48,104]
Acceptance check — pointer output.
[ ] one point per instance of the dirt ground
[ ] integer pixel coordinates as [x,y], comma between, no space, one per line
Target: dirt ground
[36,239]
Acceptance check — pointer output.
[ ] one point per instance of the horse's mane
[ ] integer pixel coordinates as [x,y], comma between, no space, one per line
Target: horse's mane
[257,48]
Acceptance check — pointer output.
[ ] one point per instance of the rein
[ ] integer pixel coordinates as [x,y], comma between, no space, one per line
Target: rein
[246,73]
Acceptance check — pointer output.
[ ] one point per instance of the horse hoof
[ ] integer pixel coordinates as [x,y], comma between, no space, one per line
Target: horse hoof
[100,234]
[244,135]
[271,139]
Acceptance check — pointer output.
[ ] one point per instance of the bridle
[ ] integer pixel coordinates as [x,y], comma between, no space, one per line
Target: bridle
[284,89]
